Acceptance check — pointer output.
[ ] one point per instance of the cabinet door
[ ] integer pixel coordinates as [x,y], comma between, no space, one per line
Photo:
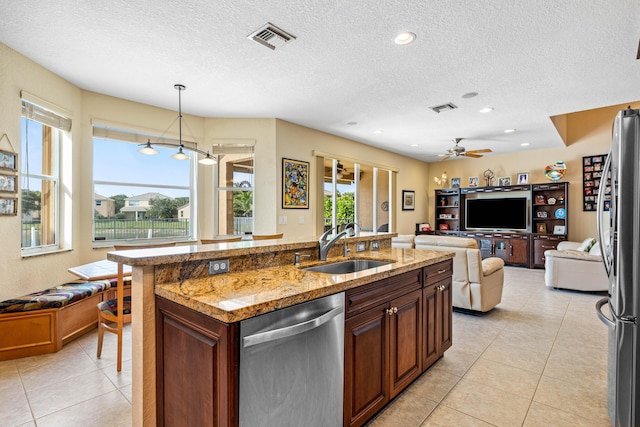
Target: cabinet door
[436,321]
[197,364]
[540,245]
[430,336]
[366,364]
[500,248]
[445,324]
[517,251]
[405,337]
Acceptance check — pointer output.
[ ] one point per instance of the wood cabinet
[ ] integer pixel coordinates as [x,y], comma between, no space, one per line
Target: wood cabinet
[549,208]
[437,313]
[513,248]
[394,330]
[448,211]
[548,212]
[542,243]
[197,368]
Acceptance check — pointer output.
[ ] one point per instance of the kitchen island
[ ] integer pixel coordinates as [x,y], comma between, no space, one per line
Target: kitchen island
[262,279]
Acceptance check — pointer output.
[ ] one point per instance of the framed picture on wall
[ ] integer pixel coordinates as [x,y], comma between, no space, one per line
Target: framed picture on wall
[8,183]
[523,178]
[408,200]
[592,173]
[8,206]
[455,182]
[8,161]
[295,184]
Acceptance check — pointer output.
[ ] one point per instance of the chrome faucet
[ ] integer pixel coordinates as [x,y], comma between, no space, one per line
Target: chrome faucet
[325,246]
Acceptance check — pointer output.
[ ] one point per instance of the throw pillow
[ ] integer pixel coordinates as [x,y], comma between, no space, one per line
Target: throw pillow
[586,245]
[595,250]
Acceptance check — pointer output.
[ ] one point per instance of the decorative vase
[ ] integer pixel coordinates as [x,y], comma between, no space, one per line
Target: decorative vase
[556,171]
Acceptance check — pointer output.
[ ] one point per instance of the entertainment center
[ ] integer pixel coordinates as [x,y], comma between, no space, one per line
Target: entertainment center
[517,223]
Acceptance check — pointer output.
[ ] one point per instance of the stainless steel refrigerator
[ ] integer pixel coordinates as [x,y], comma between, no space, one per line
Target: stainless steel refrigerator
[619,237]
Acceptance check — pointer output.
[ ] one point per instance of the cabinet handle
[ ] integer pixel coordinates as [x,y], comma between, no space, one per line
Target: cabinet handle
[511,250]
[441,271]
[395,310]
[391,311]
[547,247]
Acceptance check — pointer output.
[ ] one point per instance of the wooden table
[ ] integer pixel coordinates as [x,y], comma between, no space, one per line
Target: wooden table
[99,270]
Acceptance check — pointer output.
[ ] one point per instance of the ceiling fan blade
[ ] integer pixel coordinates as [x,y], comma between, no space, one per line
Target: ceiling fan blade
[444,156]
[483,150]
[471,154]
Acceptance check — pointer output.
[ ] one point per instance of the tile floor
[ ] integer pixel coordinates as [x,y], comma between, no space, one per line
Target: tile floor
[538,359]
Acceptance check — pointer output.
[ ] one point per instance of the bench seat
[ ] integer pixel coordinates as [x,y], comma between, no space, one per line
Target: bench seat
[42,322]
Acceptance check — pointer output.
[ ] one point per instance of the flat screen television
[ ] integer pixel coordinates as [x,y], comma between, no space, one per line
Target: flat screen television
[507,213]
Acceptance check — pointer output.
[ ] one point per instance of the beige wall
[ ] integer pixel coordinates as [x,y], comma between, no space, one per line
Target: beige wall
[586,133]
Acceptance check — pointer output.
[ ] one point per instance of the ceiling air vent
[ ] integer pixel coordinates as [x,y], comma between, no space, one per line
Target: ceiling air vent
[271,36]
[444,107]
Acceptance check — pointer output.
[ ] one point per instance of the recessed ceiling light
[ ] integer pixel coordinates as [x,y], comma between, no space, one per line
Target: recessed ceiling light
[486,110]
[404,38]
[525,144]
[470,95]
[378,131]
[415,145]
[509,130]
[352,123]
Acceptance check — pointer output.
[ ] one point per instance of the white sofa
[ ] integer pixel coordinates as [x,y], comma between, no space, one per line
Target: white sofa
[402,241]
[567,267]
[477,283]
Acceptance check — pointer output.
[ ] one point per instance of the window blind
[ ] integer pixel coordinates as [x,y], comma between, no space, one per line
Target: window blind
[46,117]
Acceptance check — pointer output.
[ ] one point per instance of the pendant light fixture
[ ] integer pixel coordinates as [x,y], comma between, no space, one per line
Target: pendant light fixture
[148,149]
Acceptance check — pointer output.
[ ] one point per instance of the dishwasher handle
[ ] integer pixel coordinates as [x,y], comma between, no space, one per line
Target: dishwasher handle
[289,331]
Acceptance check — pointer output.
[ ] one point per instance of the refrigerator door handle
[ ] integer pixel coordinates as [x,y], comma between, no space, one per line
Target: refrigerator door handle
[612,322]
[606,256]
[609,322]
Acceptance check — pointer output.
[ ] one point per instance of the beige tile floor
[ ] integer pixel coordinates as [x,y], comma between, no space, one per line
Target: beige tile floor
[538,359]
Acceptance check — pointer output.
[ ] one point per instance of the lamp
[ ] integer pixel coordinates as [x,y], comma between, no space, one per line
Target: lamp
[148,149]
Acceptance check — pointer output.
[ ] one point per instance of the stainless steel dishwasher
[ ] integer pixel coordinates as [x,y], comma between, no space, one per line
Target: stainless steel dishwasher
[292,365]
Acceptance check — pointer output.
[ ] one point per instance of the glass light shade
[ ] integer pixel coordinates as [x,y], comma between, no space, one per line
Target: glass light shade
[180,155]
[148,149]
[208,160]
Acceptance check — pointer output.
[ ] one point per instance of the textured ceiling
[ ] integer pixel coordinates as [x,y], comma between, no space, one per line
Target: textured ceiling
[529,60]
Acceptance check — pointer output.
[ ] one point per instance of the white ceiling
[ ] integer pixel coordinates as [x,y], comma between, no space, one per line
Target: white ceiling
[529,60]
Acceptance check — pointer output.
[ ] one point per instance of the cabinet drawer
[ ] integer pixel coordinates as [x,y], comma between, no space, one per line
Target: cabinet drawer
[435,273]
[365,297]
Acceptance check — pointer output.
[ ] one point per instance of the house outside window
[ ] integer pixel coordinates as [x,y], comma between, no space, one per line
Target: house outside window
[44,132]
[148,191]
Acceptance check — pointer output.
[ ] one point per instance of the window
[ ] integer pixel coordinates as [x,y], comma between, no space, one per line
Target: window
[235,183]
[152,196]
[43,134]
[360,193]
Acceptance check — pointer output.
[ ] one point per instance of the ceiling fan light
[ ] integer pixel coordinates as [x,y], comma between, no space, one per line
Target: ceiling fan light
[148,149]
[180,155]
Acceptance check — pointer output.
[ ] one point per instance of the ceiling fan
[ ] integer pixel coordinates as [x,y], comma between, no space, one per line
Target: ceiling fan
[458,150]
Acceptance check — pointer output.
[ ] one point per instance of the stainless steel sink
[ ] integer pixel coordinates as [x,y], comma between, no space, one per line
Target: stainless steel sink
[350,266]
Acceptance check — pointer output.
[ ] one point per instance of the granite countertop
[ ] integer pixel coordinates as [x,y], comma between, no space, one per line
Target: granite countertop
[237,296]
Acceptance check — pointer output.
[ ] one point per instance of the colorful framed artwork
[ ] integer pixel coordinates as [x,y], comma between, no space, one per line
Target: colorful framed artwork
[408,200]
[592,174]
[295,184]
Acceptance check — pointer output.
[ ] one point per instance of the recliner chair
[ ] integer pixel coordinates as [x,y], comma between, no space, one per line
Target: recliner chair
[477,283]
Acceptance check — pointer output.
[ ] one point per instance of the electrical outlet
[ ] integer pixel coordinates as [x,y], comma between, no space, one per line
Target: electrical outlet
[282,220]
[375,245]
[219,266]
[361,246]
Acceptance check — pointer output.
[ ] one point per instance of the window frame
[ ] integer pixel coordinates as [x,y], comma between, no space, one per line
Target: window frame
[122,136]
[49,117]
